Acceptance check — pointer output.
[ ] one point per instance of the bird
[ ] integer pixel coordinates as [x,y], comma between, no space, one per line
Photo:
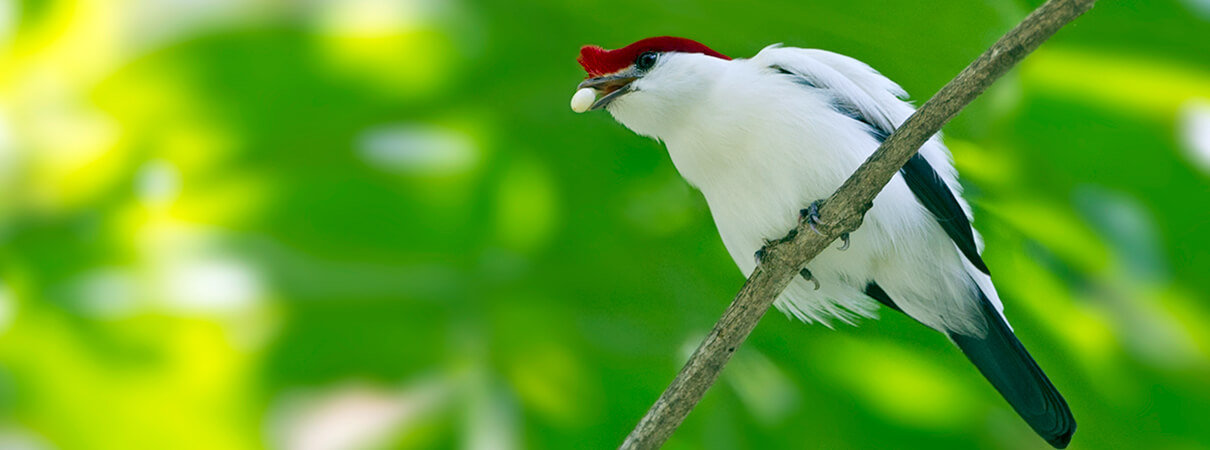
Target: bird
[765,138]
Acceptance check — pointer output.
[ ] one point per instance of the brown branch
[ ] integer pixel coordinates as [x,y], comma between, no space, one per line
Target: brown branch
[840,213]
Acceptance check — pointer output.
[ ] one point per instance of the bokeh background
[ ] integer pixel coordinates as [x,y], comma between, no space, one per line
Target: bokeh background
[325,224]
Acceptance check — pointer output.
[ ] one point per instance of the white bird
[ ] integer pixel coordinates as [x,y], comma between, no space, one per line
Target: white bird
[765,137]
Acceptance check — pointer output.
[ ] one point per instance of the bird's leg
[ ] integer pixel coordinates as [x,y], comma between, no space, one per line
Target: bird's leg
[806,275]
[811,216]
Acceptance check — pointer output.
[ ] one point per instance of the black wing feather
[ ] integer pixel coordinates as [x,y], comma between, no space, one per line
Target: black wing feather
[926,185]
[935,195]
[875,292]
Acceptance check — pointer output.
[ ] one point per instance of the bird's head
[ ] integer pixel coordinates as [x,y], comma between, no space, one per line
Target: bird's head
[647,83]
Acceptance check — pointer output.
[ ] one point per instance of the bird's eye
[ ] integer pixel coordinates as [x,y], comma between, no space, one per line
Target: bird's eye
[646,60]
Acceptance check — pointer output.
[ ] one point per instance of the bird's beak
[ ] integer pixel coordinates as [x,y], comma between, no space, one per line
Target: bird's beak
[610,87]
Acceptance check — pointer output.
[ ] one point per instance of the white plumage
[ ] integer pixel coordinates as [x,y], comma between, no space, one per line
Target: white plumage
[760,146]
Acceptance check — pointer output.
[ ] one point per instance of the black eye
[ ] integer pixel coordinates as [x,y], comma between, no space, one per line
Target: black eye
[646,60]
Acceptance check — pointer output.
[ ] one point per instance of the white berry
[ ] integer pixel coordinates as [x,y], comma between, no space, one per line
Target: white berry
[583,99]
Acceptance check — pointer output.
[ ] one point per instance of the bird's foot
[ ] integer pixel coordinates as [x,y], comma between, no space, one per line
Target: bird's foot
[811,216]
[806,275]
[760,254]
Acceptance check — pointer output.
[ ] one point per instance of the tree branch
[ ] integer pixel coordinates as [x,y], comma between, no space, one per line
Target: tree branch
[840,213]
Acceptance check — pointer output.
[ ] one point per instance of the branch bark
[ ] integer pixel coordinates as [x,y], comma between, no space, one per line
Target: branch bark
[840,213]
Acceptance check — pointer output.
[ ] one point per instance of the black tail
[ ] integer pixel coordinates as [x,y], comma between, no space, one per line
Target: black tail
[1005,363]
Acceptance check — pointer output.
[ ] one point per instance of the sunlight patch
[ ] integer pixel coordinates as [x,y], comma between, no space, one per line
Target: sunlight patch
[398,46]
[159,182]
[109,293]
[8,307]
[1194,128]
[419,149]
[1132,85]
[924,393]
[354,415]
[212,286]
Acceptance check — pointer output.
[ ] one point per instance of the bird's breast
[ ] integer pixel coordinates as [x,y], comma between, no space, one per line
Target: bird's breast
[762,158]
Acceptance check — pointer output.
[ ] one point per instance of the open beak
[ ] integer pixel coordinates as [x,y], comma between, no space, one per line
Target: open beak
[610,87]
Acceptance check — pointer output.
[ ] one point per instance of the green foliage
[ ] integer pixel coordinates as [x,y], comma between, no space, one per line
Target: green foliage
[264,224]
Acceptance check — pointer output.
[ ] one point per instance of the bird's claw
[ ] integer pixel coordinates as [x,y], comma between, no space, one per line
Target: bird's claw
[811,216]
[806,275]
[760,254]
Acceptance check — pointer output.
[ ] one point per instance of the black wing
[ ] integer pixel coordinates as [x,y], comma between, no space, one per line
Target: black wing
[932,191]
[924,182]
[875,292]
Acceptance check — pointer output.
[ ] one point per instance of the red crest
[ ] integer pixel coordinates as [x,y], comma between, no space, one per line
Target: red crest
[598,61]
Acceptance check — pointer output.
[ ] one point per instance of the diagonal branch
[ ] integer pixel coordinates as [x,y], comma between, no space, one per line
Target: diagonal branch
[841,213]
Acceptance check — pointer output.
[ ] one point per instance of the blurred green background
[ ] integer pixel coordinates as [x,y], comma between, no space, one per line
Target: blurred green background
[325,224]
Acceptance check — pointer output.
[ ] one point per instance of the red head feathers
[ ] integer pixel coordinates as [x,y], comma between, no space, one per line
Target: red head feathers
[598,61]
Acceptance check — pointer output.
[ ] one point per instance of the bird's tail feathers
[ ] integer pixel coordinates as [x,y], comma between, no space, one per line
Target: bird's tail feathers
[1012,371]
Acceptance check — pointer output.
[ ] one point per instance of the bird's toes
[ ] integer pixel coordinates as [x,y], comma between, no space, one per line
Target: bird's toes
[806,275]
[811,215]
